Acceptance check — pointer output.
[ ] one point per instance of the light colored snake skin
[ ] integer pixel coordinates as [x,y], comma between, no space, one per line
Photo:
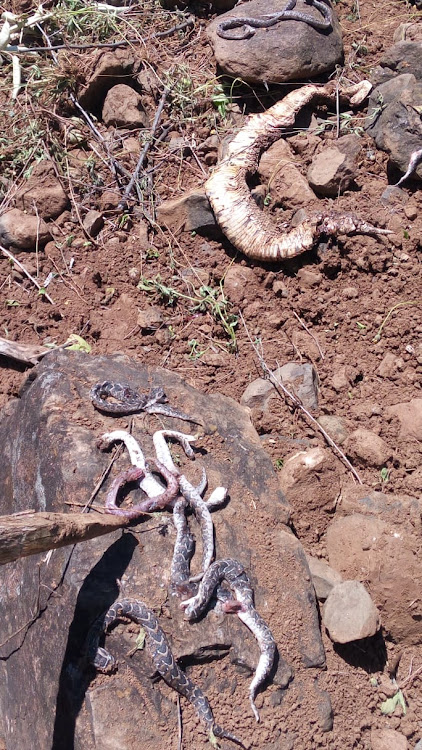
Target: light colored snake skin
[248,228]
[190,493]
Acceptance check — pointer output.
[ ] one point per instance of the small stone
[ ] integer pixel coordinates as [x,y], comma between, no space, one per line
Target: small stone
[109,200]
[410,415]
[323,577]
[22,230]
[368,447]
[390,365]
[43,193]
[150,318]
[411,211]
[334,426]
[309,278]
[393,194]
[123,108]
[257,394]
[340,379]
[134,274]
[237,283]
[280,289]
[388,739]
[287,186]
[331,172]
[188,213]
[93,223]
[349,613]
[302,380]
[350,292]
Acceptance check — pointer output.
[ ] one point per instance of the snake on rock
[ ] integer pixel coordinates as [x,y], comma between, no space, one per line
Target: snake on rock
[234,573]
[161,654]
[248,228]
[152,504]
[200,508]
[127,400]
[250,24]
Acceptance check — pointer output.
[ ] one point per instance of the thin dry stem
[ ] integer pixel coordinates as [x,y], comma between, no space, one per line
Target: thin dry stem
[27,274]
[297,403]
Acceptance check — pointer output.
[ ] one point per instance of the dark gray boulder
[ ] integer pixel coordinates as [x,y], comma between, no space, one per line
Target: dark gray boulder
[49,457]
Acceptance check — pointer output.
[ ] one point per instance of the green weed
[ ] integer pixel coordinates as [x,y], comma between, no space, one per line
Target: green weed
[204,299]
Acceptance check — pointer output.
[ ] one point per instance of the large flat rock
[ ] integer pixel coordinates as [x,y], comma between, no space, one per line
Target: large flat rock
[49,457]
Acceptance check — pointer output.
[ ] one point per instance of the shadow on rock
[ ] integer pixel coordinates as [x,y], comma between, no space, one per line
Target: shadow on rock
[99,590]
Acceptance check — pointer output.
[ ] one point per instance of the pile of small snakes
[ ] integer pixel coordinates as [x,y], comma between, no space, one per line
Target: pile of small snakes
[226,579]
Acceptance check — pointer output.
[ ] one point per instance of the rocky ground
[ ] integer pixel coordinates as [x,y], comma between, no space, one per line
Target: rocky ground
[160,283]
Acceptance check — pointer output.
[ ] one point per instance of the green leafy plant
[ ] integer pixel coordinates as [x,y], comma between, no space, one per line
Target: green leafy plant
[205,299]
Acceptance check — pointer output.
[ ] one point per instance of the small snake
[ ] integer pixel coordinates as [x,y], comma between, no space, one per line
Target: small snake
[234,573]
[249,24]
[129,401]
[152,504]
[190,493]
[160,652]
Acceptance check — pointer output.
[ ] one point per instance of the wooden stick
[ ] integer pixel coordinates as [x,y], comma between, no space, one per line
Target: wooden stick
[23,535]
[28,354]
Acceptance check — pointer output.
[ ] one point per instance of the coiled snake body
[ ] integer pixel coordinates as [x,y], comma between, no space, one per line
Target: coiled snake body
[128,401]
[161,654]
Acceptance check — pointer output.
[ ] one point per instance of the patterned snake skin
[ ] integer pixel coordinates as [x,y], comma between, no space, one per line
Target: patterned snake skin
[129,401]
[249,24]
[189,492]
[160,652]
[234,573]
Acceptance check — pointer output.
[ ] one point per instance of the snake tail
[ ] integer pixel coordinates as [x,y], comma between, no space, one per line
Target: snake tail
[158,648]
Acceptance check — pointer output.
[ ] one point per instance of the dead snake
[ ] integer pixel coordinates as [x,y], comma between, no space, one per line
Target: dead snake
[161,654]
[250,24]
[235,575]
[128,401]
[248,228]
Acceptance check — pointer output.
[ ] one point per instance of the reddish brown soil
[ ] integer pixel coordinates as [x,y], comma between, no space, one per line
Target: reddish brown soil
[367,286]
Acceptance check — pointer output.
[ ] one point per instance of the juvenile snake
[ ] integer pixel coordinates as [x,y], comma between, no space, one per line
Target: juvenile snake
[235,575]
[128,401]
[190,493]
[250,23]
[160,652]
[248,228]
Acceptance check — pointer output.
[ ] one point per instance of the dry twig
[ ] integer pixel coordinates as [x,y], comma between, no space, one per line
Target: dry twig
[27,274]
[297,403]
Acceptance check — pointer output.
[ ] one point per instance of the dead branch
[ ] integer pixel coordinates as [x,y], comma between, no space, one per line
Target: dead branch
[28,354]
[23,535]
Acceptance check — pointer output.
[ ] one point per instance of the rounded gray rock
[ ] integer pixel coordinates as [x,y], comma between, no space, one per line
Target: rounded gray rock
[349,613]
[287,51]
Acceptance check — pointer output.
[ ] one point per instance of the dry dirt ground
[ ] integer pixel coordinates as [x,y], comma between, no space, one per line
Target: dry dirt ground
[363,303]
